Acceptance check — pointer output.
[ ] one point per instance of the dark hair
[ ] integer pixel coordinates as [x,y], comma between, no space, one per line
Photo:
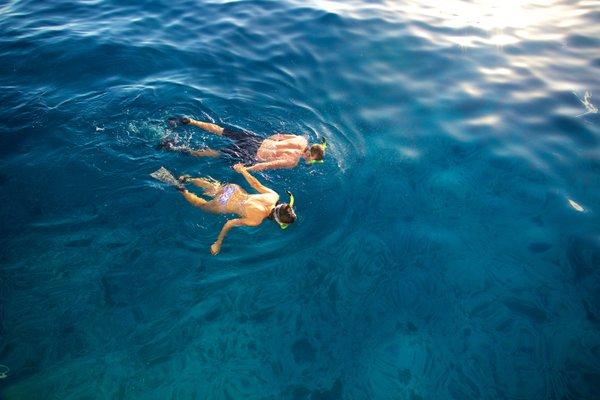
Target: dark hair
[286,214]
[316,152]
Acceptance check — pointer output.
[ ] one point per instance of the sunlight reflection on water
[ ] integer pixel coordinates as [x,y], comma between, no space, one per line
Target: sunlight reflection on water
[499,23]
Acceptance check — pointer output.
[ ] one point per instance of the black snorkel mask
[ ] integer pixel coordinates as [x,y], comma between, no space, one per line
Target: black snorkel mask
[278,207]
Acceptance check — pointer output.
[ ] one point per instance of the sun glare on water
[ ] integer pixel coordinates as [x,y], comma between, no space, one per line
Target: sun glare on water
[469,24]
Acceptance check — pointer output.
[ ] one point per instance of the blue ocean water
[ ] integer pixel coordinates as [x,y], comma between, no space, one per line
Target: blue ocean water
[448,248]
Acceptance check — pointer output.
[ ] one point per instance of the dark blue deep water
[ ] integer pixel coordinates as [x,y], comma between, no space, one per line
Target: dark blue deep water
[448,248]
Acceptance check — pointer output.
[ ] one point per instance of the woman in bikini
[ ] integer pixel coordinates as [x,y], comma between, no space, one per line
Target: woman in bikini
[230,198]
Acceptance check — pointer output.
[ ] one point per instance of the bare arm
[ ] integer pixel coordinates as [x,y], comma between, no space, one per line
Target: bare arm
[277,164]
[252,181]
[216,246]
[196,201]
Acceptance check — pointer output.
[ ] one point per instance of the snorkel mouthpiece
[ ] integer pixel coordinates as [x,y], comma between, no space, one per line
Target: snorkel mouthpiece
[323,146]
[278,207]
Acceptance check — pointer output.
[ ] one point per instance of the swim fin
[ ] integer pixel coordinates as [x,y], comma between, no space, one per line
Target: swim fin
[162,174]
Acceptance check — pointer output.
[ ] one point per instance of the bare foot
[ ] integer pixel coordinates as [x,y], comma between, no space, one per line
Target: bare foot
[174,122]
[184,178]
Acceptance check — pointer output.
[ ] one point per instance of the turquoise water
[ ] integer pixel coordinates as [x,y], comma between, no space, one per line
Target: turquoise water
[448,248]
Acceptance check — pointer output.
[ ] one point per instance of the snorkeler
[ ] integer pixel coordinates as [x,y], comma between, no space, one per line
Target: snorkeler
[230,198]
[276,151]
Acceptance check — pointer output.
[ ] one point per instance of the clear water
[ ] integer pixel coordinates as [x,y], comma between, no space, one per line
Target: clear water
[447,249]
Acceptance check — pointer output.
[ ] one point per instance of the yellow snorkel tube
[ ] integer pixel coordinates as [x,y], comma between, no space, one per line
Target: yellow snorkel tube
[323,146]
[275,214]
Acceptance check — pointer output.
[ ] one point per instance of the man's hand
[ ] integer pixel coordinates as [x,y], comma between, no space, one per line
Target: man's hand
[239,167]
[215,248]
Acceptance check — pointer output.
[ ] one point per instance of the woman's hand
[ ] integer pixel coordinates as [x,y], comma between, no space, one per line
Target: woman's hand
[215,248]
[239,167]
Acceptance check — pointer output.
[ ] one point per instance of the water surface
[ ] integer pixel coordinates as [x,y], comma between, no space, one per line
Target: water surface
[448,248]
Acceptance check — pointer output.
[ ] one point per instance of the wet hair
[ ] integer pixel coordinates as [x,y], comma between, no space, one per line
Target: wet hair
[316,152]
[286,214]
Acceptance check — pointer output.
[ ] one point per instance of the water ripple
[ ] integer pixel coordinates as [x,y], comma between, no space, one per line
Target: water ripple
[445,249]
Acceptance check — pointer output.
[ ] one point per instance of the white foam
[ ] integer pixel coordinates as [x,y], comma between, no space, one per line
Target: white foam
[587,103]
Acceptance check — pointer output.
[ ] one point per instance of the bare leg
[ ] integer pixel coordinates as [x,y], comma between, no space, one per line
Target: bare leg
[211,187]
[211,206]
[169,145]
[203,153]
[195,200]
[207,126]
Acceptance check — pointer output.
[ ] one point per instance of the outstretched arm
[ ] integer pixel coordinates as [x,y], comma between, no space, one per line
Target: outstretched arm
[216,246]
[277,164]
[252,181]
